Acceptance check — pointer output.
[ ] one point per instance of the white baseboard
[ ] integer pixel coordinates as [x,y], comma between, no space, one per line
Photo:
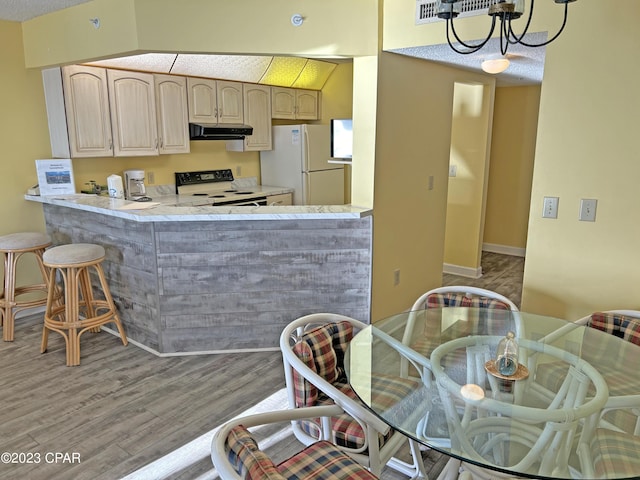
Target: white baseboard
[468,272]
[504,249]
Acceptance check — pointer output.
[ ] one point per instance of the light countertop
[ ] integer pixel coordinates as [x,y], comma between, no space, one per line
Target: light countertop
[166,207]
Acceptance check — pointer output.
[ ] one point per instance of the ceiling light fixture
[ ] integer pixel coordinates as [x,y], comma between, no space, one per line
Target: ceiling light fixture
[495,64]
[503,10]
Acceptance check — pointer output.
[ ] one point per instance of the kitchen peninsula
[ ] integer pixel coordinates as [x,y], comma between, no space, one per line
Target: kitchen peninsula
[192,279]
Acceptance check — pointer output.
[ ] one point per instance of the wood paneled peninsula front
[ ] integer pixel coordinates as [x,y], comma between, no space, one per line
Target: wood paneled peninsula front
[217,279]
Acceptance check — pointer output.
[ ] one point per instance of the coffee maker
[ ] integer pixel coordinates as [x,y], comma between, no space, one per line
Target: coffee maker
[134,184]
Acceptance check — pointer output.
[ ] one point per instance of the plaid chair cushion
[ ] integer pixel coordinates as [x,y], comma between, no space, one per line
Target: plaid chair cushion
[347,432]
[321,461]
[617,324]
[615,454]
[322,349]
[247,459]
[454,299]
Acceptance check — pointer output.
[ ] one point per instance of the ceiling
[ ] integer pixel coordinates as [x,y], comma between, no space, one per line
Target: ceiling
[527,64]
[22,10]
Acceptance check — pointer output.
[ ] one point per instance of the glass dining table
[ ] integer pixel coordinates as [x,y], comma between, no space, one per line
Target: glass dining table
[573,384]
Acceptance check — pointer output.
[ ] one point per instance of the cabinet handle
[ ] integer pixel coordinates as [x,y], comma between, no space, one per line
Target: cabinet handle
[156,147]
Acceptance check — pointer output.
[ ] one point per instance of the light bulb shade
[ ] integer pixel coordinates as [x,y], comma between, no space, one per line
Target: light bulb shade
[495,65]
[448,9]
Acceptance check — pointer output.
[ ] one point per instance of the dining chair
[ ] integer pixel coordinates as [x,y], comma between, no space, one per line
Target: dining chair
[313,349]
[484,428]
[458,296]
[619,412]
[236,454]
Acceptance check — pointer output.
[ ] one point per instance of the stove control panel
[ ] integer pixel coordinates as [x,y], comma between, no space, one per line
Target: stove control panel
[205,176]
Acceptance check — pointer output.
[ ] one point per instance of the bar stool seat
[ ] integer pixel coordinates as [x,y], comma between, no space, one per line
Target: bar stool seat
[12,247]
[80,311]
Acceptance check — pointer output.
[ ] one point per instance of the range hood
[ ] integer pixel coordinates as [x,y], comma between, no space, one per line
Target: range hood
[206,131]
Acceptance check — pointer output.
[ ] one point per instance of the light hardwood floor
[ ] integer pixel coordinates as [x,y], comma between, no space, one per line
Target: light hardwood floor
[123,407]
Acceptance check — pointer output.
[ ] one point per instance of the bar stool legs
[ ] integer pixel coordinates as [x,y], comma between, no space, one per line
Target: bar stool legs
[81,311]
[14,246]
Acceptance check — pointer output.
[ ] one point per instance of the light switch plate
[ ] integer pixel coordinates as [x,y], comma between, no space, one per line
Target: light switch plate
[550,207]
[588,209]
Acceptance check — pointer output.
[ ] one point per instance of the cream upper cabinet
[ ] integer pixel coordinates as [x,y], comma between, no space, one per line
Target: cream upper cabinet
[172,113]
[307,105]
[214,101]
[230,108]
[86,107]
[133,113]
[293,103]
[257,113]
[201,94]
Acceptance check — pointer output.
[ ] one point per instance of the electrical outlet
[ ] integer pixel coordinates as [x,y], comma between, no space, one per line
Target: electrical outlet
[588,209]
[430,183]
[453,170]
[238,171]
[151,178]
[550,207]
[396,277]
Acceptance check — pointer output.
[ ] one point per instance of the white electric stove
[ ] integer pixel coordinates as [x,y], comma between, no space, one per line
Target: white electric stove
[216,188]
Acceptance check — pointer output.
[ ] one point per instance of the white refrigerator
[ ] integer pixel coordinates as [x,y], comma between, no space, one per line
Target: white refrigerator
[300,160]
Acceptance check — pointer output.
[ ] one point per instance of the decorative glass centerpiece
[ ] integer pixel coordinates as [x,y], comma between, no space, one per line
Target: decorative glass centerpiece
[507,355]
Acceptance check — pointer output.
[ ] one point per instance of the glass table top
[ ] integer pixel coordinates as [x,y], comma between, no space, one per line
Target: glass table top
[433,375]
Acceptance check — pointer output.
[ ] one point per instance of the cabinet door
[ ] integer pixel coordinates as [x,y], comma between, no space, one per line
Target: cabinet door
[87,109]
[201,95]
[283,103]
[307,104]
[229,96]
[281,199]
[173,121]
[257,113]
[133,113]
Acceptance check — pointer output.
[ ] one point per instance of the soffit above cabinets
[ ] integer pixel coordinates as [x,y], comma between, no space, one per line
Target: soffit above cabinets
[293,72]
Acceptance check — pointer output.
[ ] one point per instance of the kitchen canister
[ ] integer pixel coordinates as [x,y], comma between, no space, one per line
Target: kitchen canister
[115,186]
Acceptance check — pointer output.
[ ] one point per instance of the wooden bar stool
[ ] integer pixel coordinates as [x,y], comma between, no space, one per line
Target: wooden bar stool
[79,311]
[13,246]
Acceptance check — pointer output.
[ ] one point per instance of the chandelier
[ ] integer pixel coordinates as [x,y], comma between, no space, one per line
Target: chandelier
[503,10]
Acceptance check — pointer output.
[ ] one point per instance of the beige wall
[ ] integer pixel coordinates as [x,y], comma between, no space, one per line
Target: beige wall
[511,167]
[412,143]
[586,147]
[24,137]
[201,26]
[466,199]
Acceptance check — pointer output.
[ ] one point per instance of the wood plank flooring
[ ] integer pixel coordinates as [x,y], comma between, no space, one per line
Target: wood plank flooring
[123,407]
[500,273]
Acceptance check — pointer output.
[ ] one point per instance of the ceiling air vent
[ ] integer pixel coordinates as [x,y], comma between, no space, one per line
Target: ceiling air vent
[426,9]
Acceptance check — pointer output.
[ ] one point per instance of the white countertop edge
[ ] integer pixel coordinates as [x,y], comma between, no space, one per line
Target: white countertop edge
[168,212]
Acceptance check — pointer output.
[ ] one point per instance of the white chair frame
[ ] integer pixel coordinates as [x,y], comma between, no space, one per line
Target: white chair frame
[370,455]
[630,402]
[420,304]
[219,455]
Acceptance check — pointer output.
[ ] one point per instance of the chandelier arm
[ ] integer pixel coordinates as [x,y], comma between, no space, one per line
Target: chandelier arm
[511,35]
[472,48]
[566,10]
[504,35]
